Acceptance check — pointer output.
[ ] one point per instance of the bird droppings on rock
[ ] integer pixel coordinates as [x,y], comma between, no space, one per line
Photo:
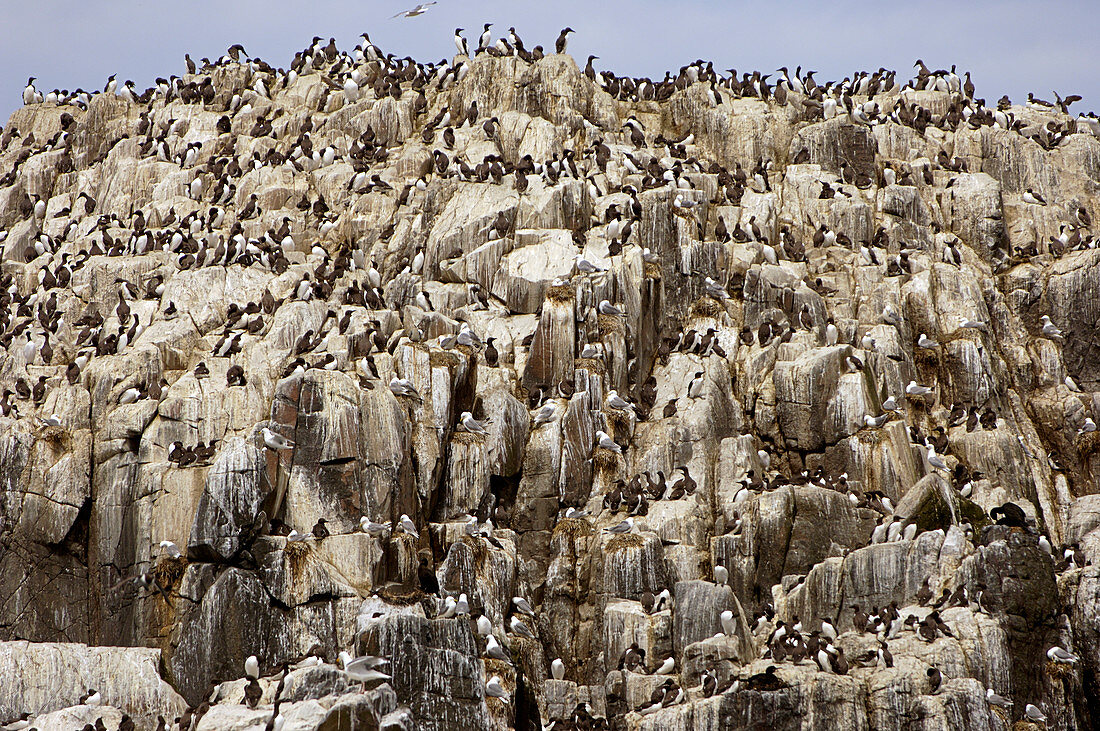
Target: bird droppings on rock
[407,388]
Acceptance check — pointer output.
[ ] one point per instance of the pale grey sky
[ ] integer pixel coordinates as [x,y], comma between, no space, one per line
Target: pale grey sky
[1010,47]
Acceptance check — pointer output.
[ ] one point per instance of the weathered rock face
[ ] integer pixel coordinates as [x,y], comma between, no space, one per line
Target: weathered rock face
[598,395]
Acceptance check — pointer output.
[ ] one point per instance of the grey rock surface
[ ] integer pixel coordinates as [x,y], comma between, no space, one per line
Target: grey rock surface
[557,396]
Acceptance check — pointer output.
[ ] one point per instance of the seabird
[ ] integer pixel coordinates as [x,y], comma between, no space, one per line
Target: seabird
[875,422]
[171,549]
[615,401]
[563,40]
[935,677]
[715,290]
[470,424]
[604,441]
[1057,654]
[1030,196]
[934,459]
[516,625]
[276,441]
[729,627]
[19,724]
[557,669]
[372,528]
[545,414]
[721,575]
[30,94]
[418,10]
[493,648]
[926,342]
[891,318]
[606,308]
[993,699]
[1032,713]
[484,626]
[405,523]
[364,668]
[1050,330]
[666,667]
[252,667]
[585,266]
[913,389]
[695,386]
[624,527]
[494,689]
[404,387]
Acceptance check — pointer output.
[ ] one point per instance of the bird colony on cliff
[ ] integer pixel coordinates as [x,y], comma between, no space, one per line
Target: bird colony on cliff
[503,392]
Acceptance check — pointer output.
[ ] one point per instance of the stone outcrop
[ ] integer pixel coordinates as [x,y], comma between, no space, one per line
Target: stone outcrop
[568,397]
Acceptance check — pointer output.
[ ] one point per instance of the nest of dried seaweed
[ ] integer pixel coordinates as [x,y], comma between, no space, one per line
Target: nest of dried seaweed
[623,542]
[706,307]
[477,547]
[461,436]
[561,293]
[592,365]
[611,323]
[1058,670]
[1088,443]
[399,595]
[55,435]
[296,551]
[605,459]
[444,359]
[573,527]
[927,357]
[169,571]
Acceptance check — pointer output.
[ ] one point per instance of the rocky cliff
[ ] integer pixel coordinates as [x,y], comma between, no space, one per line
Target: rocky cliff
[552,396]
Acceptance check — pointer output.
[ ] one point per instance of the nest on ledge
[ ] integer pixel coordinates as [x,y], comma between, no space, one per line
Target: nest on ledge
[169,571]
[706,307]
[611,323]
[623,542]
[1088,443]
[561,293]
[477,547]
[573,527]
[296,550]
[592,365]
[461,436]
[652,270]
[55,435]
[399,595]
[1059,670]
[444,359]
[927,357]
[618,421]
[605,459]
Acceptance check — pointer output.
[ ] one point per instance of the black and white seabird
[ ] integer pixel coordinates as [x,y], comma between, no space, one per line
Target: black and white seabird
[563,40]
